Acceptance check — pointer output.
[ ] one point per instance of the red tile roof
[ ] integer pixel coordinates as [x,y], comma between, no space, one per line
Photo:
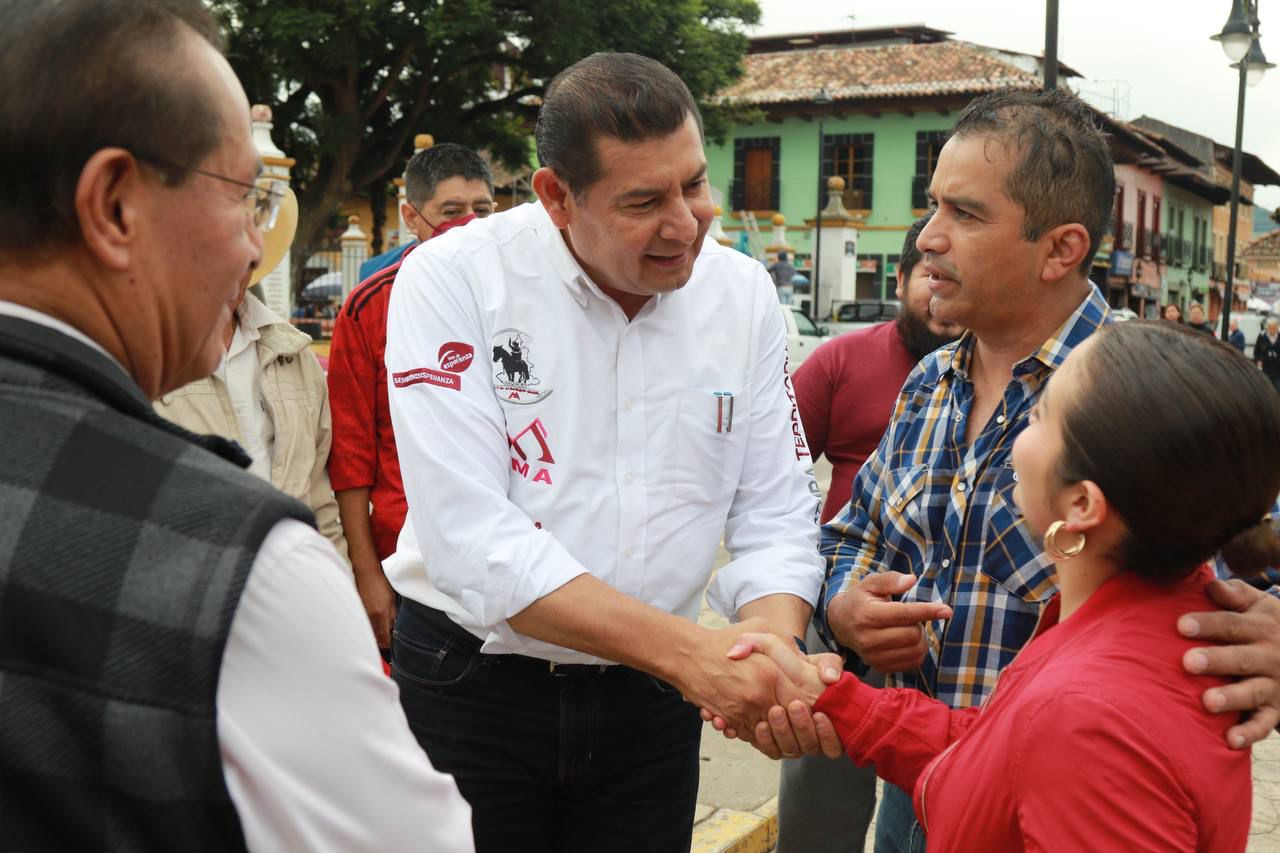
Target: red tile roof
[889,71]
[1266,246]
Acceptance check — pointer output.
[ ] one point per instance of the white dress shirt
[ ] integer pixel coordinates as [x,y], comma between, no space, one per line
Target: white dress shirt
[316,751]
[542,436]
[315,747]
[241,372]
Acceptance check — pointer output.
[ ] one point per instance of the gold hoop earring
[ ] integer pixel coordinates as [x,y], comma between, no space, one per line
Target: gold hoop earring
[1051,543]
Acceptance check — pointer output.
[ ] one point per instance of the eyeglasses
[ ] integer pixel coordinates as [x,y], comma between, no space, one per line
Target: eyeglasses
[262,202]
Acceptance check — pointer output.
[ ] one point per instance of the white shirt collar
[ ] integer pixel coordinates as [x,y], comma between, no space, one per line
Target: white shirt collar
[31,315]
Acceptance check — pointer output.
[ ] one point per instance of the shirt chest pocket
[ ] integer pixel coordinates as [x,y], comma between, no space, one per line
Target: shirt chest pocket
[1012,557]
[915,511]
[711,431]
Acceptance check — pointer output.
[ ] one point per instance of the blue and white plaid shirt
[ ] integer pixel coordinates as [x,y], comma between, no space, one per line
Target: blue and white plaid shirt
[925,504]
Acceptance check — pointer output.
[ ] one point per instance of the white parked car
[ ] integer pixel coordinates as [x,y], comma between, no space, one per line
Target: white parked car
[803,335]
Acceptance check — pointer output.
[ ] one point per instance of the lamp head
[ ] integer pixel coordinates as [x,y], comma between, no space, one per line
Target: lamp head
[1236,35]
[1255,64]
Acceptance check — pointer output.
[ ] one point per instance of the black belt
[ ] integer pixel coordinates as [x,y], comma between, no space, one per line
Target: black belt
[440,620]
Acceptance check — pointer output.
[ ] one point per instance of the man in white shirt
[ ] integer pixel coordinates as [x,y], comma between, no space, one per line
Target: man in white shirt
[586,396]
[185,662]
[269,395]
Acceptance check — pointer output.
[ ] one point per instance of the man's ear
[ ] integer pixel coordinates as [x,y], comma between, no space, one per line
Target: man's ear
[109,202]
[1068,245]
[900,291]
[554,194]
[415,223]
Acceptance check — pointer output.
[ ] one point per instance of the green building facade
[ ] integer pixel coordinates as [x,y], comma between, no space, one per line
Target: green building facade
[1186,248]
[891,166]
[885,100]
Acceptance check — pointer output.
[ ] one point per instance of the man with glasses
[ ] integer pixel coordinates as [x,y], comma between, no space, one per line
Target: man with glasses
[181,653]
[445,186]
[268,394]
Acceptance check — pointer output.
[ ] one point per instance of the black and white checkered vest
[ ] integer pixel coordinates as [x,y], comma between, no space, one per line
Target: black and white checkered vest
[125,543]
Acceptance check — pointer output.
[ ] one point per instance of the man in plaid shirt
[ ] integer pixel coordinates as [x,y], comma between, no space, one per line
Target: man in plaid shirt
[932,576]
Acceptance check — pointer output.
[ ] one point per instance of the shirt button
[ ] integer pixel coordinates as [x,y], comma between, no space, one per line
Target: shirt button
[628,477]
[626,405]
[629,553]
[946,564]
[959,417]
[1000,419]
[961,487]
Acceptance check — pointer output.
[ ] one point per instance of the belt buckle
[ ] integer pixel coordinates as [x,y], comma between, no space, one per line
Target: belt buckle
[564,670]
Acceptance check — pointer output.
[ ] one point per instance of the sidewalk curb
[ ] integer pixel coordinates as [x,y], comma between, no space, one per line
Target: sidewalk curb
[732,831]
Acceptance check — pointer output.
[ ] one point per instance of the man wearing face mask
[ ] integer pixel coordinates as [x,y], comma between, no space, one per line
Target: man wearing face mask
[445,186]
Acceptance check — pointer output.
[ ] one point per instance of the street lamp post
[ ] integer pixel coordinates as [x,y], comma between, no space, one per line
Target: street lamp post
[1241,43]
[1051,45]
[822,101]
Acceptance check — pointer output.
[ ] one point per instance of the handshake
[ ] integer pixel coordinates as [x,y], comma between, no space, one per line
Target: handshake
[759,688]
[752,685]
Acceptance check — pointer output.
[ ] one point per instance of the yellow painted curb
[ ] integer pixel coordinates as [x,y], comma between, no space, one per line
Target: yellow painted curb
[729,831]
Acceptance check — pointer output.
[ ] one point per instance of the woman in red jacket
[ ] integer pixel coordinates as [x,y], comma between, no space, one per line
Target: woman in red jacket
[1095,737]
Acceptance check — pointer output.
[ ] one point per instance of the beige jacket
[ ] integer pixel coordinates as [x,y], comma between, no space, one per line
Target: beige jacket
[297,400]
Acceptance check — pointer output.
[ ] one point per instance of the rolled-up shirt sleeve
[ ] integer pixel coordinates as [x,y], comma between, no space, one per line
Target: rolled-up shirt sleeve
[480,549]
[771,531]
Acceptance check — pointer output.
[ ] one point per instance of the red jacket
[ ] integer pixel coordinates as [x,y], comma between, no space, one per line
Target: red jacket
[364,446]
[1094,738]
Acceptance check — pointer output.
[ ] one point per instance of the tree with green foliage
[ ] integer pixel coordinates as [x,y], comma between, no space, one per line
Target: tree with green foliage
[352,81]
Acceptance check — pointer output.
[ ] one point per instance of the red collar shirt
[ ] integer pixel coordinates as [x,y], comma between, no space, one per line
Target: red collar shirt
[542,435]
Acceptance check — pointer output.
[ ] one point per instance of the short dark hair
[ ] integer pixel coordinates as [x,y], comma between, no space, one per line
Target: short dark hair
[1062,170]
[1156,391]
[441,162]
[910,254]
[623,96]
[83,75]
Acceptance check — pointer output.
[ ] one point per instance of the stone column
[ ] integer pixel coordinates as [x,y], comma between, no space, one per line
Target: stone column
[778,240]
[276,285]
[404,237]
[839,247]
[355,251]
[717,231]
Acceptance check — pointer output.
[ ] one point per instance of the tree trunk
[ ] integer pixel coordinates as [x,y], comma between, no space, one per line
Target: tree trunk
[322,197]
[378,208]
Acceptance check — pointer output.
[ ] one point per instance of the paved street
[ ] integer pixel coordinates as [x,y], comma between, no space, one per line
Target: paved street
[737,810]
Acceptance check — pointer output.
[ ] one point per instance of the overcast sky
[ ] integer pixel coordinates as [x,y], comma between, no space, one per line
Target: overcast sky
[1157,53]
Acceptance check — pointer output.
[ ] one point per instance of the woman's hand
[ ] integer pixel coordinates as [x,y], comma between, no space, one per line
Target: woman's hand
[802,671]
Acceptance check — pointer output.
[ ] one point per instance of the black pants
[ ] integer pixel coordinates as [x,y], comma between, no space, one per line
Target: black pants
[579,761]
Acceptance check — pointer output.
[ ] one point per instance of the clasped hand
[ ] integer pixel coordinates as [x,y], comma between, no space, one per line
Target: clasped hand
[780,723]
